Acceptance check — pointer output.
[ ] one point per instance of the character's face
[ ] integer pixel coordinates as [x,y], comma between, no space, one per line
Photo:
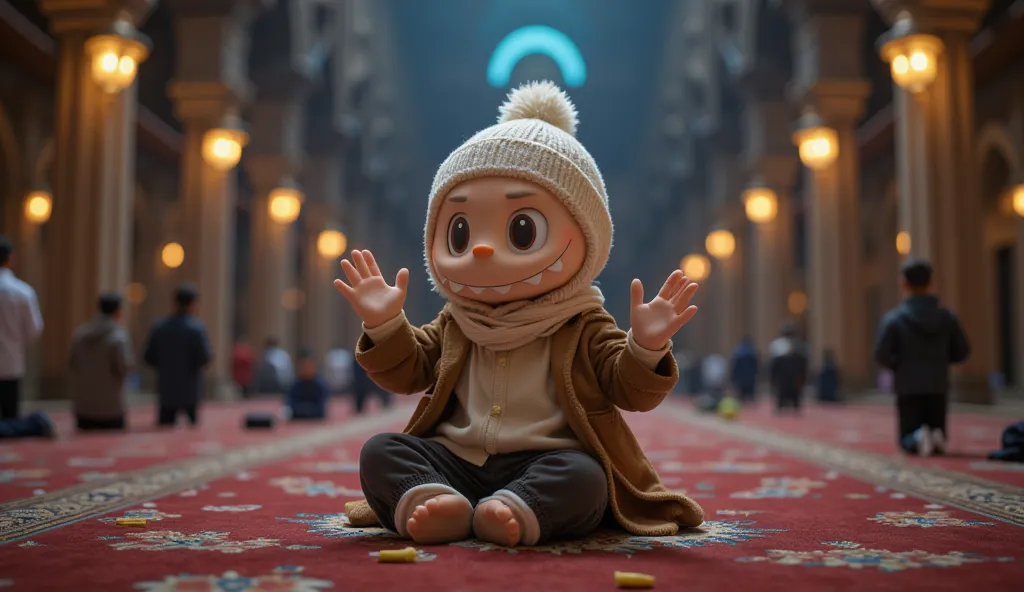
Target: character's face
[501,240]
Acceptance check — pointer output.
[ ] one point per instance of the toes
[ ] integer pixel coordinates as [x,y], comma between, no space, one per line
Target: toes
[412,526]
[421,511]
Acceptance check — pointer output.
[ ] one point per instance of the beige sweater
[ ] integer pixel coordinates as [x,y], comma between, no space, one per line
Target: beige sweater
[506,400]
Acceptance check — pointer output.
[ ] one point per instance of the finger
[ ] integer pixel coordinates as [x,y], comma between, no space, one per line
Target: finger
[636,294]
[681,300]
[671,284]
[345,289]
[371,263]
[361,266]
[402,279]
[350,272]
[684,318]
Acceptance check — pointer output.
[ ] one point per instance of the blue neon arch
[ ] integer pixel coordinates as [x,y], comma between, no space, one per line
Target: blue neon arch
[536,39]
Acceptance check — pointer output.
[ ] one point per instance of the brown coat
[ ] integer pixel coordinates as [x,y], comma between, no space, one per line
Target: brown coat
[598,374]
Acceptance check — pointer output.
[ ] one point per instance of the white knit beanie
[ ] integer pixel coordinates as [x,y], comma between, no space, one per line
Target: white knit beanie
[534,140]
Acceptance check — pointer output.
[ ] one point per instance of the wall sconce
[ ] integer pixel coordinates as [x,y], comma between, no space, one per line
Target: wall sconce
[797,302]
[38,206]
[1017,199]
[222,145]
[172,255]
[912,54]
[760,202]
[818,143]
[285,202]
[903,243]
[696,267]
[136,293]
[116,55]
[331,243]
[720,244]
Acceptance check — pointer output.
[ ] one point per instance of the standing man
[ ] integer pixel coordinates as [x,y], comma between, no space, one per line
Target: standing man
[101,357]
[20,325]
[179,350]
[744,370]
[789,367]
[918,341]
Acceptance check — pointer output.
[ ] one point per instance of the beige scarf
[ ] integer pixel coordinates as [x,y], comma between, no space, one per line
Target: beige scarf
[508,327]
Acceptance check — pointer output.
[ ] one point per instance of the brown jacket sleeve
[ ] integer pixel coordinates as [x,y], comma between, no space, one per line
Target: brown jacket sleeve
[404,361]
[625,380]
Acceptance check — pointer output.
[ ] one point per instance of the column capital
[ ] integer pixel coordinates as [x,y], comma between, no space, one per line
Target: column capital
[267,170]
[835,100]
[88,16]
[936,15]
[778,171]
[205,103]
[206,8]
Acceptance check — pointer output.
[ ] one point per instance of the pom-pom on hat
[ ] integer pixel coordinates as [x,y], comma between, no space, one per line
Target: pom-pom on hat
[534,140]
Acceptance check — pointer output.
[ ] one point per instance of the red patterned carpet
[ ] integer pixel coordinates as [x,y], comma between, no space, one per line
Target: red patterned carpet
[264,513]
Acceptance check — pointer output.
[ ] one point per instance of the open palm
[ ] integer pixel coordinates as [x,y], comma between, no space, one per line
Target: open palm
[654,323]
[370,295]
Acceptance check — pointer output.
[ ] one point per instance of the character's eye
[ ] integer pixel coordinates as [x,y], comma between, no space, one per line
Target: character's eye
[458,235]
[527,231]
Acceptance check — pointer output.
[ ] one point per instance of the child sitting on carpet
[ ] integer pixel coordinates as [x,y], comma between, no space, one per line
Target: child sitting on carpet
[518,439]
[307,397]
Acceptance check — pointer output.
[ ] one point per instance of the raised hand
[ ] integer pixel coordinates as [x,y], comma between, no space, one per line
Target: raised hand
[370,295]
[654,323]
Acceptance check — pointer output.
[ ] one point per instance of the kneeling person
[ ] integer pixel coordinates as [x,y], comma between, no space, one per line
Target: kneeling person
[101,357]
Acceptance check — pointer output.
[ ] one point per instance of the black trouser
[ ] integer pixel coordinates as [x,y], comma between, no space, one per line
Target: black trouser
[787,398]
[35,424]
[566,489]
[747,393]
[916,411]
[9,398]
[89,424]
[169,415]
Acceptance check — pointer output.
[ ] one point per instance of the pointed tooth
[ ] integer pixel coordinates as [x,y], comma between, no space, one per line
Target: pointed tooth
[535,279]
[502,289]
[556,266]
[476,290]
[455,287]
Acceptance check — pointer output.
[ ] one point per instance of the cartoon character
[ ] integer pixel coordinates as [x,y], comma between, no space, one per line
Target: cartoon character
[518,439]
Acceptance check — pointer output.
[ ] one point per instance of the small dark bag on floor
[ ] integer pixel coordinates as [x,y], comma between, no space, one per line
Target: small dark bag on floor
[259,421]
[1013,444]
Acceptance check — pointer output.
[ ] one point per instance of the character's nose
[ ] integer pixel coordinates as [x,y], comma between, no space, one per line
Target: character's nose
[483,251]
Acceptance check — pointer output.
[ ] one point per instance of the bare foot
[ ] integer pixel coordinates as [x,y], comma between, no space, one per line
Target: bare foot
[442,519]
[493,522]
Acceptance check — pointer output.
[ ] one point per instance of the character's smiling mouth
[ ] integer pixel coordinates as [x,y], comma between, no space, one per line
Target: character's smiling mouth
[533,280]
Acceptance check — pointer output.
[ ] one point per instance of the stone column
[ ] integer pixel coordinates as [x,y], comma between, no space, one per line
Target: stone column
[828,78]
[938,182]
[276,154]
[211,81]
[771,158]
[726,286]
[319,327]
[94,160]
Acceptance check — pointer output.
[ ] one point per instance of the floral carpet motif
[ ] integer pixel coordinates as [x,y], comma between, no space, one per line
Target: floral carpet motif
[169,540]
[783,487]
[284,579]
[335,526]
[717,467]
[145,514]
[249,508]
[853,556]
[329,467]
[712,532]
[312,488]
[930,519]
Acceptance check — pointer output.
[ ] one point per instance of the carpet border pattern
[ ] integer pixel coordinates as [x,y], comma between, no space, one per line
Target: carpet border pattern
[988,498]
[30,516]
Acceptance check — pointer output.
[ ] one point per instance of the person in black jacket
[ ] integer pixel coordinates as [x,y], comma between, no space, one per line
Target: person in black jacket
[918,341]
[788,369]
[179,350]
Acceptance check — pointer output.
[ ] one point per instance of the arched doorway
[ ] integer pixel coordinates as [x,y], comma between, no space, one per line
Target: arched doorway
[1000,246]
